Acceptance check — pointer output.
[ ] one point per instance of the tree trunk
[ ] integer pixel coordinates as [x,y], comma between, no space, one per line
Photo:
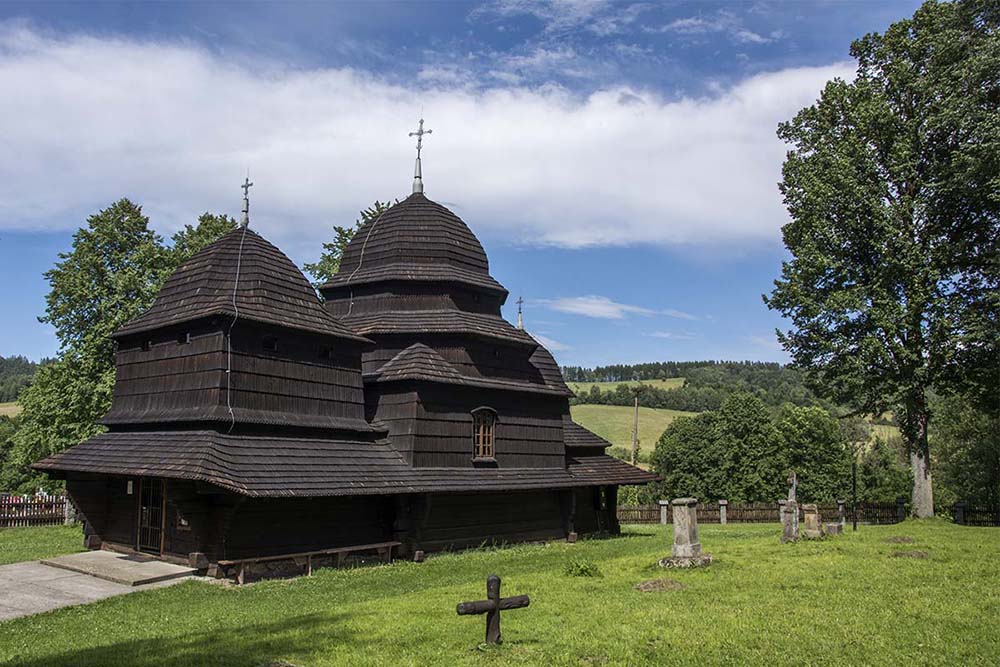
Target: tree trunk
[923,493]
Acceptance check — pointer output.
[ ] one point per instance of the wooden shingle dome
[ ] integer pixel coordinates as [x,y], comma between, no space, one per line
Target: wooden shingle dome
[415,240]
[270,290]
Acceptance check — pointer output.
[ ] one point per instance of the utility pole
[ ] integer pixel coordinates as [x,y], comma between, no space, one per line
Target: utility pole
[635,430]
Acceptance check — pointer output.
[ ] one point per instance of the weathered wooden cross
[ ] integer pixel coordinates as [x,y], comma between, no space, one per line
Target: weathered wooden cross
[492,606]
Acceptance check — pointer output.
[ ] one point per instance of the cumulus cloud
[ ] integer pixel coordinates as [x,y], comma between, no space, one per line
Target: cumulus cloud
[92,119]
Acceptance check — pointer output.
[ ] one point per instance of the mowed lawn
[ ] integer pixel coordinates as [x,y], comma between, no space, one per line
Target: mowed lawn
[9,409]
[20,544]
[614,423]
[842,601]
[583,387]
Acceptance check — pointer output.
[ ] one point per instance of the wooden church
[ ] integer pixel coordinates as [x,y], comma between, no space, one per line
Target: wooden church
[251,419]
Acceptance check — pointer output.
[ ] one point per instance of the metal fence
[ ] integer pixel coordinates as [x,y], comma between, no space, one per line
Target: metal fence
[976,515]
[19,511]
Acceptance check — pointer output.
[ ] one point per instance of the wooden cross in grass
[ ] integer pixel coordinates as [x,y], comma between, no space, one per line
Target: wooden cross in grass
[491,606]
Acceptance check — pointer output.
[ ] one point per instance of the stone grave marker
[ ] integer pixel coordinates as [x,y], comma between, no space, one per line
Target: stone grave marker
[686,550]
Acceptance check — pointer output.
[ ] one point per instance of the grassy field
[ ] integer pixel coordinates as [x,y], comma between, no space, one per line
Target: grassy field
[18,544]
[614,423]
[843,601]
[582,387]
[9,409]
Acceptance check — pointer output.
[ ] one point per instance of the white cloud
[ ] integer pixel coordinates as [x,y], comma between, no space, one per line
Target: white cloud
[722,22]
[671,335]
[600,307]
[550,344]
[88,120]
[680,314]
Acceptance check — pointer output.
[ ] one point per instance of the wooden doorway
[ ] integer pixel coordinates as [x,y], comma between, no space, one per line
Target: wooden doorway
[151,516]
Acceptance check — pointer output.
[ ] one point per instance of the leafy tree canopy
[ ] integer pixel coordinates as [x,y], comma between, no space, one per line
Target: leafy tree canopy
[892,186]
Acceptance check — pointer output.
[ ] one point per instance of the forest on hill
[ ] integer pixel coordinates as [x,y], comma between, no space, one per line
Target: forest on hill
[706,384]
[15,374]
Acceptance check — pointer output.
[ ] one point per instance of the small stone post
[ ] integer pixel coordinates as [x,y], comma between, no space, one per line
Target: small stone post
[960,513]
[813,528]
[722,511]
[664,507]
[842,511]
[686,550]
[789,520]
[900,509]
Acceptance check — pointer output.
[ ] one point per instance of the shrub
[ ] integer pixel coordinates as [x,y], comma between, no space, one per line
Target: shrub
[582,568]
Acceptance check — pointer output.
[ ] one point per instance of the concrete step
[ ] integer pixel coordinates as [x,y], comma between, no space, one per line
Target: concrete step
[128,569]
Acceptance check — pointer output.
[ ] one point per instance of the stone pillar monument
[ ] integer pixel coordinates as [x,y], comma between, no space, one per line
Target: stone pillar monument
[790,513]
[686,551]
[723,506]
[813,529]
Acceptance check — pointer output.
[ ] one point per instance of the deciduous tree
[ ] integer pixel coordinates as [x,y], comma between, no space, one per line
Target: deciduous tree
[892,186]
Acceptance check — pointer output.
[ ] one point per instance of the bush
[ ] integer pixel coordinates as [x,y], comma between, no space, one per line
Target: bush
[582,568]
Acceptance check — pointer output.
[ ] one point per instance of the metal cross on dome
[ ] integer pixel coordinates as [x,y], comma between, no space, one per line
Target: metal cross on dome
[418,179]
[419,134]
[246,200]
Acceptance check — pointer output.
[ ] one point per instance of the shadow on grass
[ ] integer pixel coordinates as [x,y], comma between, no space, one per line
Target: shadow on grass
[246,646]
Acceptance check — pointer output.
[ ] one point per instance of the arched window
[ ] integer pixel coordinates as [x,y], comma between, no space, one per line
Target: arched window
[483,432]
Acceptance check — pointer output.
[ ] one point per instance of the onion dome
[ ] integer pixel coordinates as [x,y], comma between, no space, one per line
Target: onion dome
[241,275]
[417,240]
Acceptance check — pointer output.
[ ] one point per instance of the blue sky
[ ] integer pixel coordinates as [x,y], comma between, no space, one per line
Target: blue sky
[618,160]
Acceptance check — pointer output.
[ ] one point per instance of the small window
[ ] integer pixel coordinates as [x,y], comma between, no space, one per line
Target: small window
[182,523]
[498,353]
[184,338]
[147,345]
[326,352]
[483,431]
[270,343]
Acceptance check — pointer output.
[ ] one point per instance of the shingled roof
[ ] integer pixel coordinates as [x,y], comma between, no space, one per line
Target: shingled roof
[415,240]
[438,322]
[270,289]
[289,466]
[420,362]
[575,435]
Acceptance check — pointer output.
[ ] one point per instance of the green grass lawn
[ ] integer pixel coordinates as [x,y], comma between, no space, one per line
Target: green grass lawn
[9,409]
[842,601]
[583,387]
[614,423]
[19,544]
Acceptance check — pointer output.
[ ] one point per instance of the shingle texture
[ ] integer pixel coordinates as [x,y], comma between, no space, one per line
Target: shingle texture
[415,240]
[287,466]
[270,289]
[438,322]
[420,362]
[575,435]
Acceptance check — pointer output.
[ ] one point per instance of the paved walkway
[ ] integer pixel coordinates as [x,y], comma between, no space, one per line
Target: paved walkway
[32,588]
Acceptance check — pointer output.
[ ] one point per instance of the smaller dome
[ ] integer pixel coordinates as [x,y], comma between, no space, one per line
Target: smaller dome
[268,288]
[415,240]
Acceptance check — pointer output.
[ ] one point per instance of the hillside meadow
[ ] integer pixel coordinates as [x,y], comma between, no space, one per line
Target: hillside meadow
[9,409]
[583,387]
[614,423]
[860,598]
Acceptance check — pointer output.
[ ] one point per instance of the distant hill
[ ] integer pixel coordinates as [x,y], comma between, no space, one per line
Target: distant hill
[15,374]
[691,386]
[614,424]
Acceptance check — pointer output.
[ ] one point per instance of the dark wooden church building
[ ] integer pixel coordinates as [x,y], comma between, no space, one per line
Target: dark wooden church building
[251,419]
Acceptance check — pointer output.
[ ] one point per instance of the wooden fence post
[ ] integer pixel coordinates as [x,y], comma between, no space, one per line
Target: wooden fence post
[900,509]
[664,508]
[722,511]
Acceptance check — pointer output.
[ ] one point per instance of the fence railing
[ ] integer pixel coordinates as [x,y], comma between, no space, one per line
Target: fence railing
[870,513]
[37,511]
[976,515]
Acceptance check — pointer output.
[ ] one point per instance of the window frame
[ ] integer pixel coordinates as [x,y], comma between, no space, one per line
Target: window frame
[484,434]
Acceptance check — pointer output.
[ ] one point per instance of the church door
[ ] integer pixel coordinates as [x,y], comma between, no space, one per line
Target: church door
[151,515]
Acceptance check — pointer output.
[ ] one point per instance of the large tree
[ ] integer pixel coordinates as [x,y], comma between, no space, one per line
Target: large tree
[329,261]
[892,187]
[111,274]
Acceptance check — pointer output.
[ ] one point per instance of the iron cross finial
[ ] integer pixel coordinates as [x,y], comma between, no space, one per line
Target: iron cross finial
[419,134]
[418,179]
[246,200]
